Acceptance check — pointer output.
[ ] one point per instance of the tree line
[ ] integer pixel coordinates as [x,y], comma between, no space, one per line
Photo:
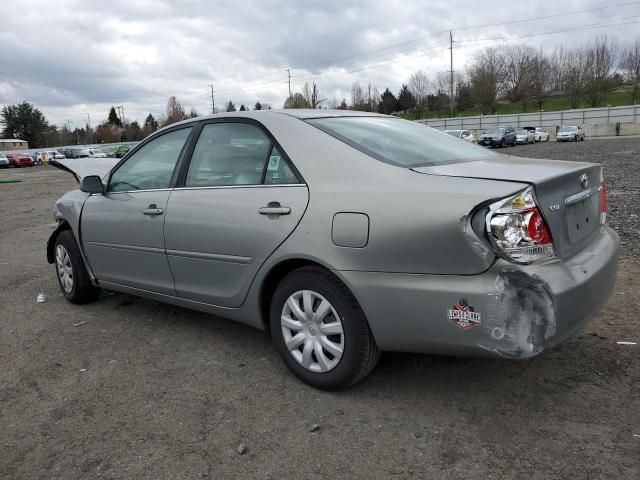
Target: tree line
[512,73]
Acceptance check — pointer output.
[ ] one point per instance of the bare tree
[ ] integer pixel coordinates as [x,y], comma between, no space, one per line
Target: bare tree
[174,112]
[556,60]
[315,97]
[373,97]
[486,79]
[358,100]
[419,86]
[599,61]
[573,75]
[519,61]
[312,95]
[540,78]
[630,65]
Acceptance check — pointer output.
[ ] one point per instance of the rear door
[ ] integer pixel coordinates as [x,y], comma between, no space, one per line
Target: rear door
[239,199]
[122,229]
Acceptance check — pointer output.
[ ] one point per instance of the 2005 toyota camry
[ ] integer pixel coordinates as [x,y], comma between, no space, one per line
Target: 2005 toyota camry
[343,234]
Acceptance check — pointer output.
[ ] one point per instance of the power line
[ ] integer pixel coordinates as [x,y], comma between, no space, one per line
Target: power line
[470,27]
[400,57]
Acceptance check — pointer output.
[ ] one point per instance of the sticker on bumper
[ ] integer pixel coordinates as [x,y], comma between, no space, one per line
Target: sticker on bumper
[463,315]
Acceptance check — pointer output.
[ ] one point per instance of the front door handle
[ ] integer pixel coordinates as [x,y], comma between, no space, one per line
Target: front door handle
[274,208]
[153,210]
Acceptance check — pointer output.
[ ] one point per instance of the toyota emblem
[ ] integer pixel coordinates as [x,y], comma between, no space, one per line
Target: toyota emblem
[584,180]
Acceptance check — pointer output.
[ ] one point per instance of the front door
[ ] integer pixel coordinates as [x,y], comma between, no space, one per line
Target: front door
[240,200]
[122,229]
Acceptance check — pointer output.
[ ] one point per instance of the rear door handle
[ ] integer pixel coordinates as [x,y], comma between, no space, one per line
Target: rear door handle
[153,210]
[274,208]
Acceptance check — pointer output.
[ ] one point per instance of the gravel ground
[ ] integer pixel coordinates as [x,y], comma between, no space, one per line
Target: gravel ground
[128,388]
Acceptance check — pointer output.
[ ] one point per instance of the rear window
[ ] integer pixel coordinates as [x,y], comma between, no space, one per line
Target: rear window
[400,142]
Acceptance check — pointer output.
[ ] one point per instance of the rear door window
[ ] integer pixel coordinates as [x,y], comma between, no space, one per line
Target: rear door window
[400,142]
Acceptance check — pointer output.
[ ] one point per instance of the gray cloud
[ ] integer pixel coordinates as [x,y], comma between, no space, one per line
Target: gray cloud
[76,57]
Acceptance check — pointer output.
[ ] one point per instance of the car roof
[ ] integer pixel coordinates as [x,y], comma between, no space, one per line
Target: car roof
[300,113]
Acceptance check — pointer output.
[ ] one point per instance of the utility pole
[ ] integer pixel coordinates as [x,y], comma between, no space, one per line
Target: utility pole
[89,129]
[122,120]
[289,75]
[451,72]
[213,103]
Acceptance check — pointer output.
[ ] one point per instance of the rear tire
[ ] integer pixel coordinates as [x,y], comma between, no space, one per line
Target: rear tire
[502,143]
[72,275]
[352,352]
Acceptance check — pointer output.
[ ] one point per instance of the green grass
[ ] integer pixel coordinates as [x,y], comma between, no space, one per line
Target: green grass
[552,104]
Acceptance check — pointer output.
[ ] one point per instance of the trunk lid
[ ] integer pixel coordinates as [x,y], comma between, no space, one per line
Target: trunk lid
[570,207]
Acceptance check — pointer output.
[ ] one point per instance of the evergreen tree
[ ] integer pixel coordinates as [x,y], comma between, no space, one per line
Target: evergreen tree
[389,103]
[242,109]
[257,106]
[113,118]
[26,122]
[406,100]
[231,107]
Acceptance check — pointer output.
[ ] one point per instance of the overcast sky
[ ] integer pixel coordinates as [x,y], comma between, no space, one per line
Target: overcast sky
[71,58]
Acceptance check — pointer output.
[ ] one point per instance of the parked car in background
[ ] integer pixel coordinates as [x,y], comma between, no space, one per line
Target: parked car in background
[570,133]
[525,136]
[95,152]
[54,155]
[4,161]
[462,134]
[491,255]
[75,153]
[498,137]
[121,150]
[20,160]
[541,134]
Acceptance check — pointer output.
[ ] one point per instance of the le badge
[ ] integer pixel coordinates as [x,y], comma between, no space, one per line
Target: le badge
[463,315]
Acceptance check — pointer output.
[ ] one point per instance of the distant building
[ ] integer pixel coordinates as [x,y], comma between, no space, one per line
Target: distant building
[13,144]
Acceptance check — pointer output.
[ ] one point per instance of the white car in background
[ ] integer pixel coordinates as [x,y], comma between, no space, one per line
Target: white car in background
[570,133]
[525,136]
[94,152]
[4,161]
[541,134]
[463,134]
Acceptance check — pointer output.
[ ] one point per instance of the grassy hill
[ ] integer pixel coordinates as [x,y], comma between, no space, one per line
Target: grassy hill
[614,99]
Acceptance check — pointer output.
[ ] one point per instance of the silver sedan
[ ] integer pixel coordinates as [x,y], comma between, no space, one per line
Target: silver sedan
[343,234]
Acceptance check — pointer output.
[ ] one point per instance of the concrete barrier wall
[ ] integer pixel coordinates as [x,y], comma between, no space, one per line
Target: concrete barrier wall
[595,121]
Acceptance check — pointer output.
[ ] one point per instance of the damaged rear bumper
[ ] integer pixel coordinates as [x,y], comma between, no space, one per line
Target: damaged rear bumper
[515,311]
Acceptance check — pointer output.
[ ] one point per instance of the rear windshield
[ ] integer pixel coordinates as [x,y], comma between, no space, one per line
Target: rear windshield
[400,142]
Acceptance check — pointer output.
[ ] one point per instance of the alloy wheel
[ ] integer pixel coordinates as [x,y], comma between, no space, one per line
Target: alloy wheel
[63,266]
[312,331]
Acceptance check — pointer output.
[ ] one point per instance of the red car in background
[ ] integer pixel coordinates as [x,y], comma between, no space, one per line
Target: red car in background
[20,160]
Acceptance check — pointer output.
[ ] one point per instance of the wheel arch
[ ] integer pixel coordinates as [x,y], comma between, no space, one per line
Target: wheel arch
[275,275]
[51,243]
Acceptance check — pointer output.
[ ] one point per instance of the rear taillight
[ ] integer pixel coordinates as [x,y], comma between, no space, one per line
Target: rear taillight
[603,203]
[517,229]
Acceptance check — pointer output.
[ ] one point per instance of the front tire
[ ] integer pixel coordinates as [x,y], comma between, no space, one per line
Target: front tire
[320,331]
[72,275]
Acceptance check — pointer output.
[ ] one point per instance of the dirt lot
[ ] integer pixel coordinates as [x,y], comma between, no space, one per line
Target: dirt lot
[128,388]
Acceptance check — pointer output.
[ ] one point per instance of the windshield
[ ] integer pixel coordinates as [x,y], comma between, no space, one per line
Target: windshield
[568,129]
[400,142]
[522,132]
[495,130]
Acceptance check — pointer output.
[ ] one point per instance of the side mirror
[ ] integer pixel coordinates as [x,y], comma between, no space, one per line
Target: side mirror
[91,184]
